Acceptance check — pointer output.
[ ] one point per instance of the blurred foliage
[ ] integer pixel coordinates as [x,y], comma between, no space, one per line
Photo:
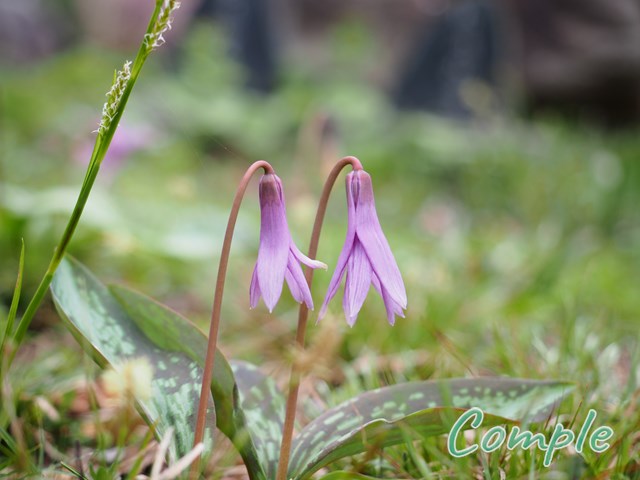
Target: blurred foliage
[518,240]
[526,211]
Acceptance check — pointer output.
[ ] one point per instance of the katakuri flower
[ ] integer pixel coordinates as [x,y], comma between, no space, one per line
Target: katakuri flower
[278,257]
[366,256]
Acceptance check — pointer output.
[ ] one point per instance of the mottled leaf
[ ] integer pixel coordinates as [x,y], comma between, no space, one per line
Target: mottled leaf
[263,406]
[172,332]
[169,331]
[107,332]
[376,418]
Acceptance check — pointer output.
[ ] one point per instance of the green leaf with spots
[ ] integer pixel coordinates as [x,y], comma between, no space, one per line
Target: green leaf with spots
[172,332]
[115,324]
[108,334]
[378,418]
[234,402]
[263,406]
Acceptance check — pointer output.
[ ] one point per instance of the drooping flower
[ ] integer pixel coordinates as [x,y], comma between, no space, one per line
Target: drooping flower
[278,257]
[366,256]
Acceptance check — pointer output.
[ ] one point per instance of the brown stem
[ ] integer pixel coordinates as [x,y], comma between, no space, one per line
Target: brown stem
[303,314]
[217,304]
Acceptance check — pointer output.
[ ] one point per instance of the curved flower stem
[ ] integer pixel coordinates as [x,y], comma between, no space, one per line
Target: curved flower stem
[303,314]
[217,304]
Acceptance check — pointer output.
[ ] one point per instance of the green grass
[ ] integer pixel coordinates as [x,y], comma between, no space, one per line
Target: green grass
[518,242]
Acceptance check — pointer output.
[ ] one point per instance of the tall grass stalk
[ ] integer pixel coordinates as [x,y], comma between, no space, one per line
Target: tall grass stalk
[117,98]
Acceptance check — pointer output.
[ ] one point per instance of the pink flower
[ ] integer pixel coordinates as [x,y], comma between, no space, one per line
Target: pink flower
[366,256]
[278,257]
[126,141]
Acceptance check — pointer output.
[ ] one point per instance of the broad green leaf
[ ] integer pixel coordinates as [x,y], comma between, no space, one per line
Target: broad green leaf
[263,406]
[111,337]
[378,417]
[169,331]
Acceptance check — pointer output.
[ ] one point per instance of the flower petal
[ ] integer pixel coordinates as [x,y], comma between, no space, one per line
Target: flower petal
[393,308]
[254,290]
[346,249]
[275,239]
[374,242]
[302,258]
[296,293]
[357,283]
[298,277]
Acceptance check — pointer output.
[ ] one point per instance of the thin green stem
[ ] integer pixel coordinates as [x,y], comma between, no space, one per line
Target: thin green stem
[303,315]
[13,308]
[217,306]
[99,151]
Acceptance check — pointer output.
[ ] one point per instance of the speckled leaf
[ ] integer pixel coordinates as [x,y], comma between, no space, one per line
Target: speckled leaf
[376,418]
[169,331]
[108,334]
[172,332]
[263,406]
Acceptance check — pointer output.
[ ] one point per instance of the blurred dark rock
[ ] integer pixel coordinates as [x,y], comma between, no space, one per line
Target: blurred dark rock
[581,56]
[250,27]
[456,51]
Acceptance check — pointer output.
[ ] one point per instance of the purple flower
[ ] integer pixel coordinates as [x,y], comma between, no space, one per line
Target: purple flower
[278,257]
[126,141]
[366,256]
